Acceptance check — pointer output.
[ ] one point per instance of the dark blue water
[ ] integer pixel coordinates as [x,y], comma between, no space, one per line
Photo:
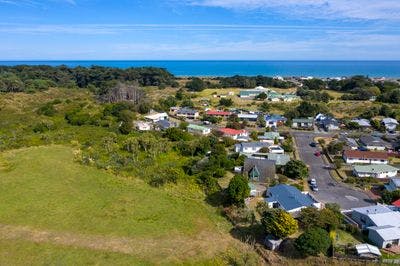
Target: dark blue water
[248,68]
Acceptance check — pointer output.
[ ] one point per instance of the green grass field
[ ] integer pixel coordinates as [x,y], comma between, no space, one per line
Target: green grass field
[42,190]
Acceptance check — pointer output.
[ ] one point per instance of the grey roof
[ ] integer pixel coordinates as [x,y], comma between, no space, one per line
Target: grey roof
[280,159]
[386,232]
[186,111]
[288,197]
[367,248]
[368,140]
[396,181]
[372,209]
[351,142]
[164,124]
[265,167]
[303,120]
[362,122]
[329,121]
[254,144]
[389,120]
[380,215]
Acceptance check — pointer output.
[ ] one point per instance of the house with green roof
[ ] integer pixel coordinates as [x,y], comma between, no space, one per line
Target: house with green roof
[375,170]
[199,130]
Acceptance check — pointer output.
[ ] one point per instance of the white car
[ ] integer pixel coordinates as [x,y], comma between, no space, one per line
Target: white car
[313,182]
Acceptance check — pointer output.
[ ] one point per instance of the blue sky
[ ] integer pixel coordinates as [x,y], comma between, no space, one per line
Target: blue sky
[200,29]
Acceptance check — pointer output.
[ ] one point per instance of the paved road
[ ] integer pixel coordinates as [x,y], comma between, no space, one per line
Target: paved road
[329,189]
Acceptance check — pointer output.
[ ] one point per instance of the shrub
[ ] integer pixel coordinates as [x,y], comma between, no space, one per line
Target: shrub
[313,242]
[238,190]
[279,223]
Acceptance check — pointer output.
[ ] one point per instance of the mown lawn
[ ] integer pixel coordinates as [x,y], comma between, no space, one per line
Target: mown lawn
[43,188]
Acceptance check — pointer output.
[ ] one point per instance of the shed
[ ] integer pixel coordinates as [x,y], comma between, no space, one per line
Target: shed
[272,242]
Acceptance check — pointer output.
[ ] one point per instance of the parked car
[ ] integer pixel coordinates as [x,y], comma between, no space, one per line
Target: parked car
[317,153]
[313,181]
[314,187]
[313,144]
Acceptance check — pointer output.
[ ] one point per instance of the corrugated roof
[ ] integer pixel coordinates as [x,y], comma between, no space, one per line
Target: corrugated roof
[197,127]
[289,197]
[366,155]
[280,159]
[396,203]
[375,168]
[387,232]
[231,131]
[367,248]
[303,120]
[216,112]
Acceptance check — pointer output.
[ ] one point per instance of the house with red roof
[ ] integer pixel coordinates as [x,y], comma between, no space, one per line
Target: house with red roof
[218,113]
[396,203]
[365,157]
[236,134]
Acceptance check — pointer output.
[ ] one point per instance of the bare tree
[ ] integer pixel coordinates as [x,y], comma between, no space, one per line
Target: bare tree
[124,92]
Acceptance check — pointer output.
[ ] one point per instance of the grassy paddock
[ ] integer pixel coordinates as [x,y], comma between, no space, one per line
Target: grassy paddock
[44,189]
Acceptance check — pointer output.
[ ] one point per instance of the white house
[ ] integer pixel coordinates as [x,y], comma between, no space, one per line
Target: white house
[365,157]
[390,124]
[250,147]
[276,149]
[375,170]
[155,117]
[374,143]
[235,134]
[200,130]
[248,117]
[382,223]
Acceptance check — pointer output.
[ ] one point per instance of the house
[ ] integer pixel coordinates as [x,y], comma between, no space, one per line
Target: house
[363,123]
[350,143]
[393,185]
[271,137]
[390,124]
[367,157]
[290,199]
[235,134]
[303,123]
[375,170]
[330,124]
[382,223]
[155,117]
[274,121]
[367,251]
[199,130]
[218,113]
[374,143]
[396,204]
[259,170]
[276,149]
[143,126]
[163,125]
[384,236]
[280,159]
[173,110]
[250,147]
[327,122]
[252,93]
[188,113]
[272,242]
[248,117]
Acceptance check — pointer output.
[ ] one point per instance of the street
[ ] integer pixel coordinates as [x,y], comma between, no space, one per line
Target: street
[330,191]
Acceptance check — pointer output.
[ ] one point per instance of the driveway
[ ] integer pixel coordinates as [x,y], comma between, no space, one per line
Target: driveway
[329,189]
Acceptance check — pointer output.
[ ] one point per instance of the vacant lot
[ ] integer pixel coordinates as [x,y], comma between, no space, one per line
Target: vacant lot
[68,209]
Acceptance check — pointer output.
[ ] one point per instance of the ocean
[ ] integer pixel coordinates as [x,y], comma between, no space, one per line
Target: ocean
[388,69]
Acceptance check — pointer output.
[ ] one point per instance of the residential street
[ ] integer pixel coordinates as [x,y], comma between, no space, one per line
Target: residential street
[329,189]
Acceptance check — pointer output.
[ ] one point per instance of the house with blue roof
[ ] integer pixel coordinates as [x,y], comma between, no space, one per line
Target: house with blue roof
[290,199]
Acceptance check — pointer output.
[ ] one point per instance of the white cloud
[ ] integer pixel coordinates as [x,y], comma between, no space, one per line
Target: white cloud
[332,9]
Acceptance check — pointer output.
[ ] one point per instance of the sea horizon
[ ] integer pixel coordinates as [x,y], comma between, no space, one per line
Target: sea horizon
[224,68]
